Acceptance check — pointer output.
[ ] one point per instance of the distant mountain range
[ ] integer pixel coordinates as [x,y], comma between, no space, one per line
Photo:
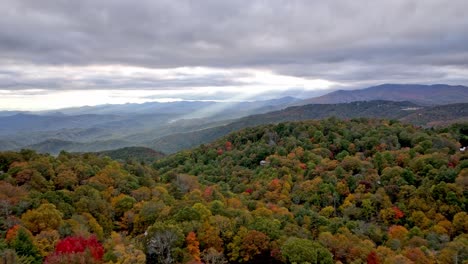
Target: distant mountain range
[182,109]
[54,146]
[35,123]
[170,127]
[437,94]
[110,126]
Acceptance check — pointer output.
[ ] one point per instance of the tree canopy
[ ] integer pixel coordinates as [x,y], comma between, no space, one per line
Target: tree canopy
[329,191]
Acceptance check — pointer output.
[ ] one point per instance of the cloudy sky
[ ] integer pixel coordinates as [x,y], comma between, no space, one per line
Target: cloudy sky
[59,53]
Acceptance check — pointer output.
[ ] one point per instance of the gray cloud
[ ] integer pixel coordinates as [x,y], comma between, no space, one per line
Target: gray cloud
[352,42]
[16,80]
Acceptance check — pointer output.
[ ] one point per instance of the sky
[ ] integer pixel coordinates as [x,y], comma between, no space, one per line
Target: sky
[62,53]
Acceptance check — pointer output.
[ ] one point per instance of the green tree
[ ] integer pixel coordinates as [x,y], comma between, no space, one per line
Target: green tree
[298,250]
[24,246]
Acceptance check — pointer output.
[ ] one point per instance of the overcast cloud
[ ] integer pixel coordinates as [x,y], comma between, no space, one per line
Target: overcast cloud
[153,49]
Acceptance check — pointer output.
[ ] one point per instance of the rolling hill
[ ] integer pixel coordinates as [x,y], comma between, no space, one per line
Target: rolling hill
[33,123]
[54,146]
[439,115]
[404,111]
[437,94]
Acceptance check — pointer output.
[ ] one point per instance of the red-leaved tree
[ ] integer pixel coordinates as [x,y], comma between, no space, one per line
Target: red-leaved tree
[398,213]
[74,248]
[372,258]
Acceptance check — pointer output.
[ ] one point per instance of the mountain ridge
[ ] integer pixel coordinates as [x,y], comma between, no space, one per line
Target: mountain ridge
[436,94]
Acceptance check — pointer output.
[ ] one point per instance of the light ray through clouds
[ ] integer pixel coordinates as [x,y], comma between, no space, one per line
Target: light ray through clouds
[77,86]
[93,52]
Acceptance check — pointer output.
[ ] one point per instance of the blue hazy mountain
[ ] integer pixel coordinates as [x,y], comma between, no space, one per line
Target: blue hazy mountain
[122,124]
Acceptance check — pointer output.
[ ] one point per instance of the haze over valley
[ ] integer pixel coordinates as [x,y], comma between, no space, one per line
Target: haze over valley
[173,126]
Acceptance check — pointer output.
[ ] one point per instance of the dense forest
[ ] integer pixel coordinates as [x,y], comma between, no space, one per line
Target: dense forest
[330,191]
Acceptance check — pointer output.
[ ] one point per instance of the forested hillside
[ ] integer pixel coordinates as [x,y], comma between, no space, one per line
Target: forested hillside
[138,154]
[403,111]
[330,191]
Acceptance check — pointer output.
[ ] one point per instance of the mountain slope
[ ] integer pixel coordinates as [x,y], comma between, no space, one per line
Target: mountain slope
[133,153]
[8,145]
[404,111]
[438,94]
[375,109]
[54,146]
[30,123]
[439,115]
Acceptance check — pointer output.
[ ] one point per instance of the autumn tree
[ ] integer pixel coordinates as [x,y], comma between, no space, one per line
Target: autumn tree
[45,217]
[455,251]
[372,258]
[209,236]
[77,250]
[193,246]
[254,243]
[46,241]
[120,249]
[10,196]
[212,256]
